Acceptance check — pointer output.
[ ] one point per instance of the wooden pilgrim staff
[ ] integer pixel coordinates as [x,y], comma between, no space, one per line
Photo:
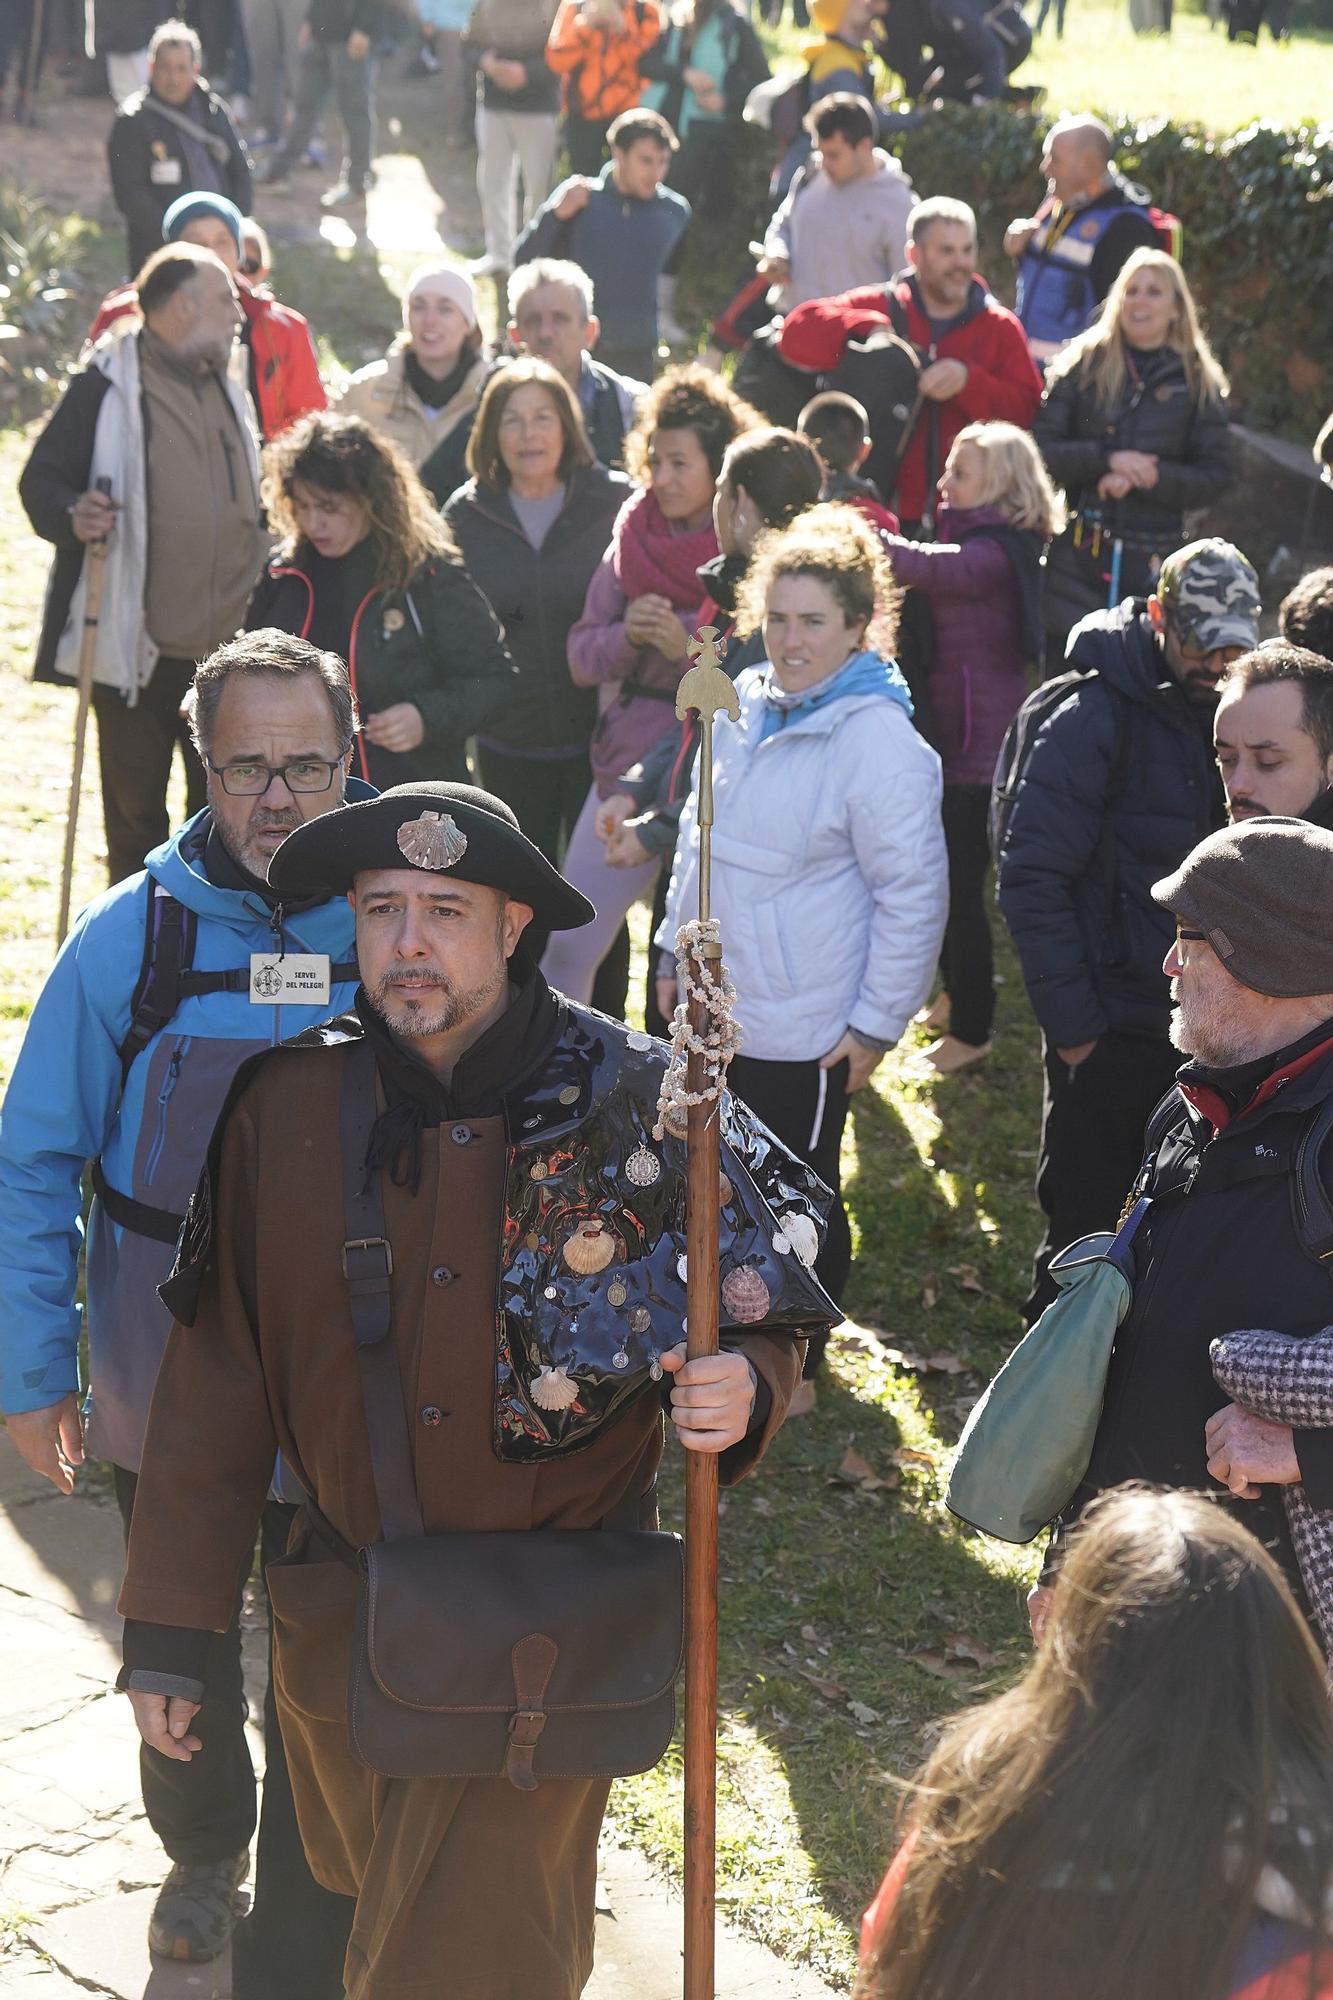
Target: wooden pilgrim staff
[705,1033]
[94,557]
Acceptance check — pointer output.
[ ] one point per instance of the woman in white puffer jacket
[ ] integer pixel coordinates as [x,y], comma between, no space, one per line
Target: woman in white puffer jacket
[829,868]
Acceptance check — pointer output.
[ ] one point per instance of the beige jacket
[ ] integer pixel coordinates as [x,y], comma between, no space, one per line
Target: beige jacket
[381,394]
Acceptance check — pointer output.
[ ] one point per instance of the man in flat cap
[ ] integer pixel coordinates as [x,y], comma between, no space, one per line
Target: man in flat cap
[473,1158]
[1207,1380]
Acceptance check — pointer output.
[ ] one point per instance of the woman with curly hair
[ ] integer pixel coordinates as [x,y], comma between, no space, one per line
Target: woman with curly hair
[642,609]
[829,869]
[365,568]
[1133,426]
[1148,1813]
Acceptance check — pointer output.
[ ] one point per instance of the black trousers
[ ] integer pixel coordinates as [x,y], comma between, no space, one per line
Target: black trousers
[293,1943]
[967,962]
[585,142]
[807,1107]
[548,794]
[1092,1121]
[135,747]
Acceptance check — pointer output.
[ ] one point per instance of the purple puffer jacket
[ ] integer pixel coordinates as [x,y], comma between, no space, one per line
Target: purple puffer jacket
[979,677]
[602,656]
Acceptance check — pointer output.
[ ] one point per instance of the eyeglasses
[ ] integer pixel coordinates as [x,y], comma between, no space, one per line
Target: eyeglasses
[250,781]
[1190,937]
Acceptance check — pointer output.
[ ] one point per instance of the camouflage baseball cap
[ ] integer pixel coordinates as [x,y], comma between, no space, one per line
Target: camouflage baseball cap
[1211,593]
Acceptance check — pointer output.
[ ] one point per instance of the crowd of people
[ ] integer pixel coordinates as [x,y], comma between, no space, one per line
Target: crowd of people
[417,635]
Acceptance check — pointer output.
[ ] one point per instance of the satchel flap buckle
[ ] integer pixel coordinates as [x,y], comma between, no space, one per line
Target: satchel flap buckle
[525,1726]
[533,1660]
[364,1244]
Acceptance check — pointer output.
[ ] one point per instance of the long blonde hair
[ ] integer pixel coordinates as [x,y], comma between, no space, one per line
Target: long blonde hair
[1099,354]
[1014,477]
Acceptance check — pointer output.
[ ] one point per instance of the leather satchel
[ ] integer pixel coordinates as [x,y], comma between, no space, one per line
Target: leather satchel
[539,1654]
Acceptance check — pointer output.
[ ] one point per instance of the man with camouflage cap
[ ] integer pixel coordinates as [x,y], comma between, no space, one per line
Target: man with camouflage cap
[1116,788]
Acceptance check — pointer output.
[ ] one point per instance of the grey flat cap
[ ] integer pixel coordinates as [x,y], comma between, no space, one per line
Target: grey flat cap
[1262,894]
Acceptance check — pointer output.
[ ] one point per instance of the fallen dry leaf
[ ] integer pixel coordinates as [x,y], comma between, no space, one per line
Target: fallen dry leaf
[857,1472]
[810,1635]
[967,1276]
[829,1689]
[939,1664]
[907,1454]
[960,1646]
[930,1291]
[860,1712]
[942,1362]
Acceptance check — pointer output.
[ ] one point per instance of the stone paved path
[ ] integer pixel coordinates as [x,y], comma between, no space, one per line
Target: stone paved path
[78,1864]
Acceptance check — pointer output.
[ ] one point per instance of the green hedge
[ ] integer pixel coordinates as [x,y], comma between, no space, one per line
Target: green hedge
[1257,210]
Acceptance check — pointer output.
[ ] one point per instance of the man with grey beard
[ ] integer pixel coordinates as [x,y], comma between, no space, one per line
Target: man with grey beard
[152,452]
[1232,1186]
[164,985]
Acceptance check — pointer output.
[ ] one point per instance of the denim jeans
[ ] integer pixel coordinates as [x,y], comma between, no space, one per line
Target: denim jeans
[328,71]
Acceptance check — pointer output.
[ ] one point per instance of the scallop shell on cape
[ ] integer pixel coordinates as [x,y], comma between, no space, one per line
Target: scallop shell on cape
[745,1295]
[802,1235]
[433,841]
[552,1389]
[589,1249]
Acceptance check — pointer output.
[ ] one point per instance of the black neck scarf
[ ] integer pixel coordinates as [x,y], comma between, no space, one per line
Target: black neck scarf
[437,390]
[414,1099]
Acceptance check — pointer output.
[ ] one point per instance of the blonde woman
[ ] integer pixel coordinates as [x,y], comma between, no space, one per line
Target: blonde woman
[998,509]
[1133,427]
[829,871]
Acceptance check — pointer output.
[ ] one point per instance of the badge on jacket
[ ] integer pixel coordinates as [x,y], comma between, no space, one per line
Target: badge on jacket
[294,978]
[163,171]
[394,621]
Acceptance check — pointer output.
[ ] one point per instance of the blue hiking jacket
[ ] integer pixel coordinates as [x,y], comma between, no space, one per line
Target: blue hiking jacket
[66,1106]
[1091,969]
[621,243]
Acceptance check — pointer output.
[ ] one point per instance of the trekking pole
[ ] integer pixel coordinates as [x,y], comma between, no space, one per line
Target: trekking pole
[95,558]
[704,1032]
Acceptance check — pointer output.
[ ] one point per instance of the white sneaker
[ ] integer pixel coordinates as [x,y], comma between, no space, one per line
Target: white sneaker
[485,267]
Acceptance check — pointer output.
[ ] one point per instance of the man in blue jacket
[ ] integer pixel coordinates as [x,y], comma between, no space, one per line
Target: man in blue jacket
[622,229]
[164,985]
[1118,786]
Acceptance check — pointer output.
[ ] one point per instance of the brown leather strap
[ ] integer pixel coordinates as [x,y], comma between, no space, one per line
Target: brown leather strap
[367,1260]
[534,1661]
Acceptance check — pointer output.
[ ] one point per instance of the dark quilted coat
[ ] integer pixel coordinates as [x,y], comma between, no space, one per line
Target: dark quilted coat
[1090,966]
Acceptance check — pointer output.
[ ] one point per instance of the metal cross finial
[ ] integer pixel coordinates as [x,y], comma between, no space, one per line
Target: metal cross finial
[707,689]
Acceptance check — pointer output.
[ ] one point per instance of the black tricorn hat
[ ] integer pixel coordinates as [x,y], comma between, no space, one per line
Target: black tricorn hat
[440,828]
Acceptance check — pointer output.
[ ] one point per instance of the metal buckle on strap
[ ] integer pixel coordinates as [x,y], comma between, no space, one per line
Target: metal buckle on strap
[525,1726]
[369,1243]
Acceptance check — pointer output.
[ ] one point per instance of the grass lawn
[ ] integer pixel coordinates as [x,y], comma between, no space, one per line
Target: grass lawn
[1195,74]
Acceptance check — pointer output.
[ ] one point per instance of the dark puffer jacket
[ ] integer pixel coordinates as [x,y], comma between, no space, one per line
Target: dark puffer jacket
[436,644]
[1089,968]
[538,594]
[1077,433]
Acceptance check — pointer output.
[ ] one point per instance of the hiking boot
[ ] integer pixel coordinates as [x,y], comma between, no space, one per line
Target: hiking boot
[196,1908]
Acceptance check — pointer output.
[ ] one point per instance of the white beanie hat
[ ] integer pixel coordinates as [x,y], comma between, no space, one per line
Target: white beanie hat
[448,282]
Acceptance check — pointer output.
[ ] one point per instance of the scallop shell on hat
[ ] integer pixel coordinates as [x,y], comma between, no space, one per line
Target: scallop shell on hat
[745,1295]
[553,1389]
[589,1249]
[434,841]
[802,1235]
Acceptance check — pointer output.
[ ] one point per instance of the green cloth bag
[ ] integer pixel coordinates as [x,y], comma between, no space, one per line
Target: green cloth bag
[1028,1442]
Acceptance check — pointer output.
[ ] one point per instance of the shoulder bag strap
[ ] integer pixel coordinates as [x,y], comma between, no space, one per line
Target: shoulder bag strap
[367,1261]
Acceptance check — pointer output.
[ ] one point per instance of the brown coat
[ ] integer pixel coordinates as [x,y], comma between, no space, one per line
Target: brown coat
[493,1883]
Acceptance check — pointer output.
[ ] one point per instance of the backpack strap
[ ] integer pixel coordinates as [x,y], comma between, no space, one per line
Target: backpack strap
[169,938]
[1311,1201]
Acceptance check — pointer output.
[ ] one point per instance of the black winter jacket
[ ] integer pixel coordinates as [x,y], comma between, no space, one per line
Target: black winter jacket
[538,594]
[1089,967]
[149,162]
[1077,434]
[437,644]
[1217,1252]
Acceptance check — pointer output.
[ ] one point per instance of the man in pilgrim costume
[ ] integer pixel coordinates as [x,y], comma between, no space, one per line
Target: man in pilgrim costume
[502,1142]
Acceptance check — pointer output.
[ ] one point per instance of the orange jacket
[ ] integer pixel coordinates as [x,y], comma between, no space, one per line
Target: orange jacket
[599,70]
[284,370]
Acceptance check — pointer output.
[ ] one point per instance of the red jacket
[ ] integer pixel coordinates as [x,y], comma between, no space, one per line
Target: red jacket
[284,372]
[1002,378]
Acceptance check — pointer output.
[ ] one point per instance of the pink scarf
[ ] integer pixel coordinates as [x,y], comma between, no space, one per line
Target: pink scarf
[648,555]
